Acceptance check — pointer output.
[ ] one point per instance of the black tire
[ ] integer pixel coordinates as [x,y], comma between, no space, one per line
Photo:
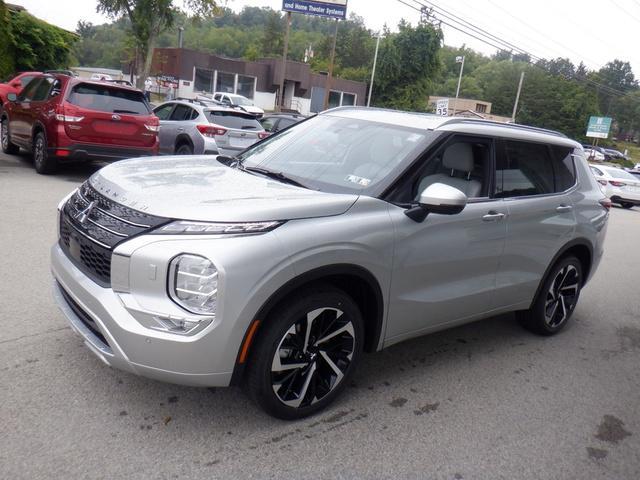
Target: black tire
[184,149]
[626,205]
[43,163]
[322,368]
[556,300]
[5,138]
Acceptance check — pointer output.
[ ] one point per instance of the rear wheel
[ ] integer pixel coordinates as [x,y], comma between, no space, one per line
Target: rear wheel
[557,299]
[184,149]
[626,205]
[42,161]
[5,138]
[305,357]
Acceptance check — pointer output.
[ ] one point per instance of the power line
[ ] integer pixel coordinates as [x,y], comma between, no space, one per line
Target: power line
[624,10]
[491,40]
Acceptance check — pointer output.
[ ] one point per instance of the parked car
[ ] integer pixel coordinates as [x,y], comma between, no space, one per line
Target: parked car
[190,127]
[594,154]
[611,154]
[101,77]
[635,173]
[621,187]
[274,122]
[60,118]
[349,232]
[15,85]
[238,101]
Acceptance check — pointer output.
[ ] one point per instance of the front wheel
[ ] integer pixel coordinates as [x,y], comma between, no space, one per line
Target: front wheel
[5,138]
[556,300]
[307,351]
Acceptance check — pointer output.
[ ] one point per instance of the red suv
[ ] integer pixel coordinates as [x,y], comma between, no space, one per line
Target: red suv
[15,85]
[61,118]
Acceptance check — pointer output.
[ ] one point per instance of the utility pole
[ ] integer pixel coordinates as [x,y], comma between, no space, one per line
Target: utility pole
[327,87]
[373,71]
[180,36]
[284,63]
[515,105]
[459,59]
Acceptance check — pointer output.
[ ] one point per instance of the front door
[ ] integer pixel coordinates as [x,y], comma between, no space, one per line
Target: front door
[444,268]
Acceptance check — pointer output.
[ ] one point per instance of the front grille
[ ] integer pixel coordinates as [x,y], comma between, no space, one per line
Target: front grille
[91,226]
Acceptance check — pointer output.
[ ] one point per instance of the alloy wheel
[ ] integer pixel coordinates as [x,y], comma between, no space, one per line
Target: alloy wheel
[4,134]
[313,357]
[38,150]
[562,296]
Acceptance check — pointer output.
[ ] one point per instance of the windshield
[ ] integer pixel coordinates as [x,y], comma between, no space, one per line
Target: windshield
[109,99]
[242,101]
[616,173]
[338,155]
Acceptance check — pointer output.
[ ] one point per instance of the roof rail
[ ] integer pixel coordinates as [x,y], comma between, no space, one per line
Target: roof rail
[516,126]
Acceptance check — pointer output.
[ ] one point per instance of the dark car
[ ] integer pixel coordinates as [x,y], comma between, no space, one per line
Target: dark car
[60,118]
[279,121]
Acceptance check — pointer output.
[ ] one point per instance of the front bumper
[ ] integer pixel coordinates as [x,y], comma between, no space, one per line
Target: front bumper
[108,329]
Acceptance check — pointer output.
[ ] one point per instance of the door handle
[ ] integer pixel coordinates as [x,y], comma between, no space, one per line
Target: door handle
[493,216]
[181,129]
[564,208]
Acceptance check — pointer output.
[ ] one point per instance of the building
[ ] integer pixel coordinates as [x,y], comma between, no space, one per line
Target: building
[196,72]
[467,107]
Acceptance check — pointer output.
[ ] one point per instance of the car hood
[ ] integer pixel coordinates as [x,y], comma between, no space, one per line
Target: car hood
[199,188]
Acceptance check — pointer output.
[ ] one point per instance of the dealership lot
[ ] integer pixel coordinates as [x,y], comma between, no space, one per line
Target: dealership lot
[487,400]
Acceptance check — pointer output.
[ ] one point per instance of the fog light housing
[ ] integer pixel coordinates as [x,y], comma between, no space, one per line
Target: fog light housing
[193,283]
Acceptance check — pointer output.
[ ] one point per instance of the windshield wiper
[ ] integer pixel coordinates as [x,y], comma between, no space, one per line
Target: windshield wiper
[125,111]
[271,174]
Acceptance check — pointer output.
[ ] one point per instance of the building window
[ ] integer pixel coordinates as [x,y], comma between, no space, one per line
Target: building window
[348,99]
[334,99]
[481,108]
[203,81]
[246,86]
[225,82]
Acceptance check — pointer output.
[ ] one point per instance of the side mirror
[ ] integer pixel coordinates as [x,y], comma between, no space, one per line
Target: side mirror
[12,97]
[438,198]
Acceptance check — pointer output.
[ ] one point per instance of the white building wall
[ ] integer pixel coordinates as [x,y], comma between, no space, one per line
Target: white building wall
[186,91]
[302,104]
[265,100]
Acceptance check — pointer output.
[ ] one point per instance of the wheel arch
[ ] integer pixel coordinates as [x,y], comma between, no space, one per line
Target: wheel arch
[356,281]
[580,248]
[182,139]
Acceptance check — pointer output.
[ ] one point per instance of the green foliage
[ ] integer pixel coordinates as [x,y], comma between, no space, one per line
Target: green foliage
[7,63]
[27,43]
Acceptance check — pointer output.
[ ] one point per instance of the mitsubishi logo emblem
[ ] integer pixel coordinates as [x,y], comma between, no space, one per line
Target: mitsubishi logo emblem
[83,215]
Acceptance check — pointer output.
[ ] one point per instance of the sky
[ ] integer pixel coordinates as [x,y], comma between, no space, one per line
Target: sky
[590,31]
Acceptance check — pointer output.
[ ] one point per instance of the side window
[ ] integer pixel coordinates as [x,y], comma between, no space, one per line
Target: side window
[181,113]
[42,91]
[164,111]
[268,124]
[194,114]
[56,88]
[524,169]
[285,122]
[30,90]
[563,167]
[216,97]
[25,80]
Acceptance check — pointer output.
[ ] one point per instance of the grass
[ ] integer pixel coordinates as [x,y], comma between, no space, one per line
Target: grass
[633,152]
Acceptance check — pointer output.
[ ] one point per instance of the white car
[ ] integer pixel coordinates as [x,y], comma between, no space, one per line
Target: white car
[620,186]
[238,101]
[594,155]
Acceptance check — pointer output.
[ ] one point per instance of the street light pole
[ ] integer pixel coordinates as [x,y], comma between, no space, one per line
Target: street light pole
[515,105]
[373,71]
[284,64]
[455,103]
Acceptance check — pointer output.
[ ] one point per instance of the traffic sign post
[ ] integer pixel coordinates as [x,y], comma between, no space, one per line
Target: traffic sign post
[599,127]
[442,107]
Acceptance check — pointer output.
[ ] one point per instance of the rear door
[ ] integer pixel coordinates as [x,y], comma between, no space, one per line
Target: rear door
[167,130]
[242,129]
[108,115]
[537,184]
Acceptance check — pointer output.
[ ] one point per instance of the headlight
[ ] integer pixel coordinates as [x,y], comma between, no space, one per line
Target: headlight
[216,228]
[193,283]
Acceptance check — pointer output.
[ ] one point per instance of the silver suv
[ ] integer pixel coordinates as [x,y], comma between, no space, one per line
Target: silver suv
[348,232]
[199,127]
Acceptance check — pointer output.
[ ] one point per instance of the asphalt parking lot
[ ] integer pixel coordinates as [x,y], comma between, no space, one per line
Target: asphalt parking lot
[484,401]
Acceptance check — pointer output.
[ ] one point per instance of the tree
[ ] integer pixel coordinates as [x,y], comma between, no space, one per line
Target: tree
[149,18]
[7,64]
[273,40]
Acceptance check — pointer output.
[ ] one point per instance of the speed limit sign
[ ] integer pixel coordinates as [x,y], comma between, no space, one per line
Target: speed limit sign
[442,107]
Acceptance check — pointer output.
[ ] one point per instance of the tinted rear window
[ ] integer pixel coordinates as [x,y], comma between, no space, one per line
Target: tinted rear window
[234,120]
[108,99]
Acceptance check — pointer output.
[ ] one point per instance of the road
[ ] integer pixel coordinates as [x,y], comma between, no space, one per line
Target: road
[484,401]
